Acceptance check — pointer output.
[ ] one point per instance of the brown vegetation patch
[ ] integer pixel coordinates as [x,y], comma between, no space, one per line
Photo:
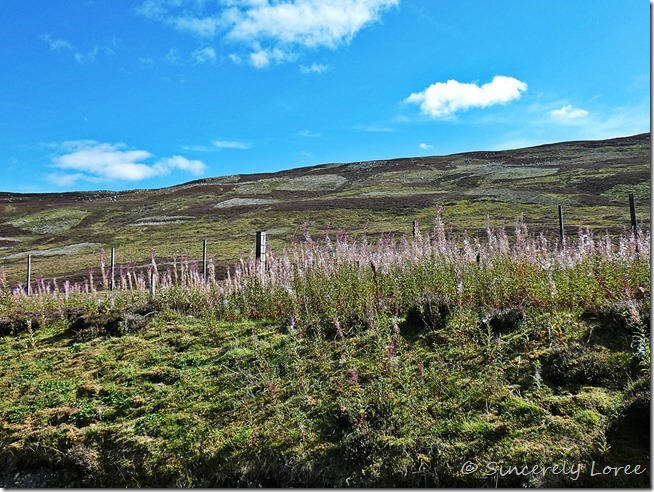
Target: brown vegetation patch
[603,184]
[387,203]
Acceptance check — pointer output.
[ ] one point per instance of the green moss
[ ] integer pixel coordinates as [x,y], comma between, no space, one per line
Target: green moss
[50,221]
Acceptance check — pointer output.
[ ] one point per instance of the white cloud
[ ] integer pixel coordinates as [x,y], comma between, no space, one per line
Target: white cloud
[79,55]
[374,129]
[232,144]
[262,58]
[270,31]
[165,165]
[96,161]
[425,146]
[66,179]
[568,114]
[204,55]
[172,56]
[310,134]
[311,23]
[88,56]
[197,148]
[443,99]
[146,62]
[620,122]
[57,44]
[204,27]
[314,68]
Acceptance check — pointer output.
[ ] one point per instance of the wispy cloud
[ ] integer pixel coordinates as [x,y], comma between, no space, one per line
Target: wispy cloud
[374,129]
[265,57]
[619,121]
[172,56]
[198,148]
[88,160]
[314,68]
[310,134]
[270,32]
[65,180]
[443,99]
[57,44]
[568,114]
[205,27]
[146,62]
[538,126]
[80,56]
[216,145]
[204,55]
[232,144]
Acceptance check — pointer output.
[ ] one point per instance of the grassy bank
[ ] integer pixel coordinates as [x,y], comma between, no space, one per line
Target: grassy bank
[401,363]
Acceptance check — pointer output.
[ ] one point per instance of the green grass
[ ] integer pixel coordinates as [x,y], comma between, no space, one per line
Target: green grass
[189,401]
[347,364]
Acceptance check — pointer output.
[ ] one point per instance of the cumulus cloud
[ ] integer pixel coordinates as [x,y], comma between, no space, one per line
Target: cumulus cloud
[568,114]
[232,144]
[425,146]
[443,99]
[311,23]
[270,31]
[97,161]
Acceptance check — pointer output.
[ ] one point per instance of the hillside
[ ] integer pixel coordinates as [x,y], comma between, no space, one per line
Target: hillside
[428,362]
[591,179]
[440,359]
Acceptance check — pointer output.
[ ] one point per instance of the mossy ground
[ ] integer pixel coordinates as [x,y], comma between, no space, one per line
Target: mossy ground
[186,400]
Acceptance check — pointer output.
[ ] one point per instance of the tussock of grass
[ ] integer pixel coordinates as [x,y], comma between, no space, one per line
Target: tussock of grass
[343,364]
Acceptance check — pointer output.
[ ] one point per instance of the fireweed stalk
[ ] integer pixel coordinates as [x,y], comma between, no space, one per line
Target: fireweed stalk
[338,284]
[351,283]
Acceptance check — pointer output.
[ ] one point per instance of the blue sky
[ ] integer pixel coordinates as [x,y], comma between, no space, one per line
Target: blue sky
[114,94]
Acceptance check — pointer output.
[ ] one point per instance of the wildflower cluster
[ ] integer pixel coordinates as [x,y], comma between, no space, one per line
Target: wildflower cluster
[341,284]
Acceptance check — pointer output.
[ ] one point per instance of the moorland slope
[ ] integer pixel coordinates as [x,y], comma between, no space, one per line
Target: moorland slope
[590,179]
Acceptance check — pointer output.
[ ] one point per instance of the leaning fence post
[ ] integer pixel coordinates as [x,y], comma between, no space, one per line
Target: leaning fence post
[204,261]
[261,249]
[28,289]
[416,232]
[561,229]
[113,269]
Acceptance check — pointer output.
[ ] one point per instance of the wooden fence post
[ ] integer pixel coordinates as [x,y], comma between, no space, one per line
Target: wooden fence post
[561,229]
[204,261]
[152,287]
[634,226]
[28,289]
[261,249]
[632,211]
[415,228]
[113,269]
